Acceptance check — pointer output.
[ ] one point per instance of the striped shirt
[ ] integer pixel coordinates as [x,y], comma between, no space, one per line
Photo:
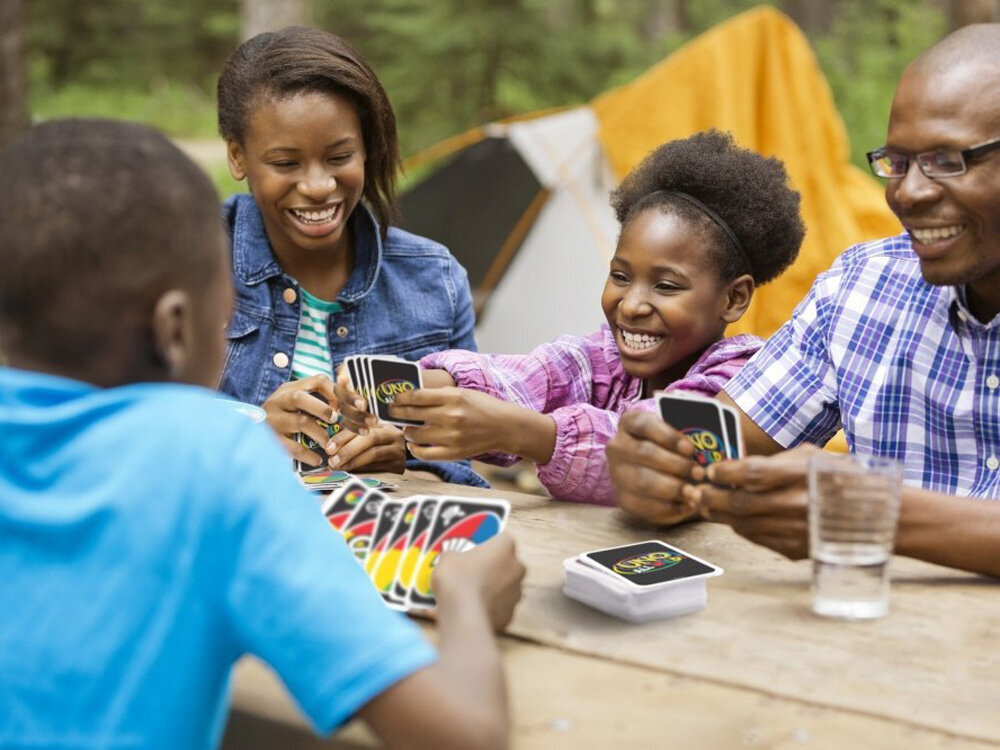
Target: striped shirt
[580,382]
[312,346]
[903,365]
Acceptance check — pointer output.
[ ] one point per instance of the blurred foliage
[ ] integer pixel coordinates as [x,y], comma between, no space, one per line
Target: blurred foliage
[448,64]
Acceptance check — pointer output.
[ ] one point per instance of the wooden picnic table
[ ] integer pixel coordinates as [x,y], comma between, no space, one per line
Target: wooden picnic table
[754,669]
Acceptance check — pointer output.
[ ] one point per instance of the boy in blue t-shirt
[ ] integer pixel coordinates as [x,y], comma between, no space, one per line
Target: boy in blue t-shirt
[149,534]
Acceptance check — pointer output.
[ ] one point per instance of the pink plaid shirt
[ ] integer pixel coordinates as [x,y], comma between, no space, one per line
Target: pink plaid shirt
[581,384]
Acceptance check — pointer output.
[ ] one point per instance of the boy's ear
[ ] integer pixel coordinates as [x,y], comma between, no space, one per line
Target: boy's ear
[235,159]
[738,292]
[173,332]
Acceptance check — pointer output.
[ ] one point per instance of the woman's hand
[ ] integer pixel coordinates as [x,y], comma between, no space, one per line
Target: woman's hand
[382,448]
[295,407]
[460,423]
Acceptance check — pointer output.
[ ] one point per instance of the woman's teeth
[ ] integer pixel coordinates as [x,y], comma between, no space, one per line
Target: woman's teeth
[927,236]
[639,340]
[320,216]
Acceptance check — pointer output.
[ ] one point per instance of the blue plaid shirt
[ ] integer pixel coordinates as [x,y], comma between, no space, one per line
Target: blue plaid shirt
[903,366]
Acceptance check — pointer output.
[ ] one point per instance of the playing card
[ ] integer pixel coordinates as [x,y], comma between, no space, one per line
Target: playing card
[342,503]
[387,516]
[648,563]
[390,377]
[459,524]
[325,479]
[332,428]
[698,419]
[414,546]
[734,436]
[383,574]
[359,528]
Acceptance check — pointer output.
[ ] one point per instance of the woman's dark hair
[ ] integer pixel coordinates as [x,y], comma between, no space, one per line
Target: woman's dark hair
[297,60]
[747,191]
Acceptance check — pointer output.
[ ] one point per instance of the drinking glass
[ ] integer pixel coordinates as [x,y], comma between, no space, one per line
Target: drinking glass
[853,510]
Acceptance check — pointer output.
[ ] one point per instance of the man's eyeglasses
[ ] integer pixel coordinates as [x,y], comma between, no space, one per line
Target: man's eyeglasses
[942,162]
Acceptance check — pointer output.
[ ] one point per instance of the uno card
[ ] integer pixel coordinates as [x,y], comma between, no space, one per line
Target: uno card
[648,563]
[414,546]
[332,428]
[341,504]
[459,524]
[391,377]
[325,479]
[359,528]
[734,436]
[383,574]
[700,421]
[388,514]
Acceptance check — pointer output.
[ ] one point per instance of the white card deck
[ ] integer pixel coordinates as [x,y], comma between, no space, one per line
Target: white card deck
[639,582]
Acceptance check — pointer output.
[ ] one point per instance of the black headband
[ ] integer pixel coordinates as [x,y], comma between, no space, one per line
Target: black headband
[718,221]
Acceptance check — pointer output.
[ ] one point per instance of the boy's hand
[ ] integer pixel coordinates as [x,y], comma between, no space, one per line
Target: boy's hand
[651,467]
[458,423]
[490,572]
[353,408]
[381,449]
[768,500]
[293,408]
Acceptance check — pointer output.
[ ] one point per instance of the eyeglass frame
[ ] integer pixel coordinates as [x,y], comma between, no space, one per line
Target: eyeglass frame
[973,152]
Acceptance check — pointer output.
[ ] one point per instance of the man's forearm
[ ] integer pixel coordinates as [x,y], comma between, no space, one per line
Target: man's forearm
[953,531]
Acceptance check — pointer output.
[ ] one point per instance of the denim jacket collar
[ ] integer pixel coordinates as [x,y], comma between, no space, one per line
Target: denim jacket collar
[254,261]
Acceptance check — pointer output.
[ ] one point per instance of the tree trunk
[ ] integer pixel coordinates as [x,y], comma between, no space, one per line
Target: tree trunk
[13,74]
[812,16]
[258,16]
[965,12]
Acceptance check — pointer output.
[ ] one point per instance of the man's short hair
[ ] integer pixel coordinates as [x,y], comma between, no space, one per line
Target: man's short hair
[97,219]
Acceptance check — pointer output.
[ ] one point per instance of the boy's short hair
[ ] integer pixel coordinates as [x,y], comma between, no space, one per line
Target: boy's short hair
[748,191]
[297,60]
[97,219]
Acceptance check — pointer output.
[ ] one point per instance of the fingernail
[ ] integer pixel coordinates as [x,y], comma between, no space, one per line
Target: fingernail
[334,416]
[362,430]
[359,404]
[331,447]
[334,461]
[710,473]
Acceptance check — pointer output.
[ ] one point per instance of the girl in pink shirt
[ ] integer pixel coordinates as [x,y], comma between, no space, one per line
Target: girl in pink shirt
[703,222]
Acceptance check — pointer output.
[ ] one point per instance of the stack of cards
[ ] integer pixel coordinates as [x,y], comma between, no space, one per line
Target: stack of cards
[327,480]
[379,379]
[713,427]
[399,541]
[639,582]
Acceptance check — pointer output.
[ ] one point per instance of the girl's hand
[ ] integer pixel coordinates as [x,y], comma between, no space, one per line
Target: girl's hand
[460,423]
[381,449]
[353,408]
[293,408]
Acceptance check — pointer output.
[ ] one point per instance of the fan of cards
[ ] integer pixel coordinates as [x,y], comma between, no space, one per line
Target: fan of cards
[399,541]
[639,582]
[379,379]
[713,427]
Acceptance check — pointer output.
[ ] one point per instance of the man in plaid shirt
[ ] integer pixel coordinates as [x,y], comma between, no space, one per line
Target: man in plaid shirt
[898,343]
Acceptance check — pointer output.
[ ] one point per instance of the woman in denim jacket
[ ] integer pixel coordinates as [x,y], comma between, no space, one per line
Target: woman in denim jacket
[318,273]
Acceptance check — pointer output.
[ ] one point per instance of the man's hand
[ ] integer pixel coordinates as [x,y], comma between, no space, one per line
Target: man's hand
[767,499]
[293,408]
[651,467]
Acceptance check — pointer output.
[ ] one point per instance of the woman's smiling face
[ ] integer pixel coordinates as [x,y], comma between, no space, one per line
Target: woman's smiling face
[663,299]
[304,159]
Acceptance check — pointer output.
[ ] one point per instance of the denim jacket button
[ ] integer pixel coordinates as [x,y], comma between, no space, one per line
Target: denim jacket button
[341,331]
[289,296]
[281,360]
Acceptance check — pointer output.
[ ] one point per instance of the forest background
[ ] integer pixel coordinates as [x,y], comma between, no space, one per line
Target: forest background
[448,65]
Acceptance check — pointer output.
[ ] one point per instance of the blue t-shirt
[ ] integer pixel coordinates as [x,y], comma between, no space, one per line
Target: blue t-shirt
[149,536]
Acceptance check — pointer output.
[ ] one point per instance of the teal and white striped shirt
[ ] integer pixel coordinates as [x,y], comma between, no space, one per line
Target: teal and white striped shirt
[312,345]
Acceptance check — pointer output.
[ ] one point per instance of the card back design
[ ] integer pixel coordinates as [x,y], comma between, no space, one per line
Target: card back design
[650,563]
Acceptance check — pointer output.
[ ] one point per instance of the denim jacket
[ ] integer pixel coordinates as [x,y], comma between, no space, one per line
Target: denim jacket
[406,296]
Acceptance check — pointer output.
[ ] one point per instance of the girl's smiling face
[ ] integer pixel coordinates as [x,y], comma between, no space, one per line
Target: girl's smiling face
[304,160]
[663,298]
